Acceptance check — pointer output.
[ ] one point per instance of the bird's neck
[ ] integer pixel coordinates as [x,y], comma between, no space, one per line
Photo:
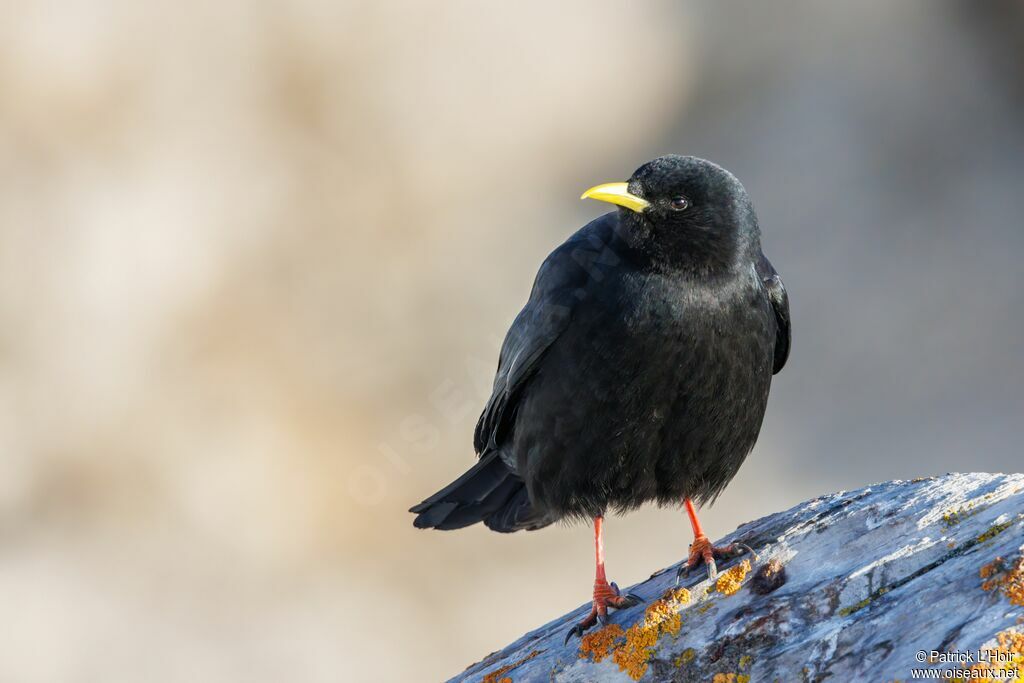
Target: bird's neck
[694,252]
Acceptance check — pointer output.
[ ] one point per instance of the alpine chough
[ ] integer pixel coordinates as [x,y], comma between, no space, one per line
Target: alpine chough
[638,370]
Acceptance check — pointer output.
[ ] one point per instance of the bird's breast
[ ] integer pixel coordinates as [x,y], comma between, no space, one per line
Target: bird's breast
[646,384]
[687,350]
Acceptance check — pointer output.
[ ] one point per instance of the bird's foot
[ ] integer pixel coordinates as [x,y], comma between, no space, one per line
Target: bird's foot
[701,551]
[605,595]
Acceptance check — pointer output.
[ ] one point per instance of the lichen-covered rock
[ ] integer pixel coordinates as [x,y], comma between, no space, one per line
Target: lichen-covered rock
[853,586]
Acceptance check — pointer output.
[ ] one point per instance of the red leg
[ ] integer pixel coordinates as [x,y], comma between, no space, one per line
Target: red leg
[701,550]
[605,594]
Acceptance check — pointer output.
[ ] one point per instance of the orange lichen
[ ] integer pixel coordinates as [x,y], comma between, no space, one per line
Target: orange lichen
[661,617]
[599,644]
[631,650]
[730,581]
[1007,580]
[730,678]
[1006,656]
[991,569]
[493,676]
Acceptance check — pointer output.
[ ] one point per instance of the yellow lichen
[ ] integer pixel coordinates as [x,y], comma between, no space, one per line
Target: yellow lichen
[994,531]
[730,581]
[1007,580]
[493,677]
[953,517]
[847,611]
[631,650]
[745,661]
[685,657]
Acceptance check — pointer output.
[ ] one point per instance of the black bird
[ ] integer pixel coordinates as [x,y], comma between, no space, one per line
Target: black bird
[638,370]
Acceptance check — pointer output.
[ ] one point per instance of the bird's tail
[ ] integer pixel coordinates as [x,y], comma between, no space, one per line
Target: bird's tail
[488,492]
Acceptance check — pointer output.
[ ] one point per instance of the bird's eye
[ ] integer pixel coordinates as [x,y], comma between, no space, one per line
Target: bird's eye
[679,203]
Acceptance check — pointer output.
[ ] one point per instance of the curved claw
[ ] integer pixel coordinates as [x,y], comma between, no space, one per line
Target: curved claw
[606,596]
[684,570]
[633,599]
[703,552]
[743,548]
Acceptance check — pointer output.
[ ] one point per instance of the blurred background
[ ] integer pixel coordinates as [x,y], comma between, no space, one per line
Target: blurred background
[256,261]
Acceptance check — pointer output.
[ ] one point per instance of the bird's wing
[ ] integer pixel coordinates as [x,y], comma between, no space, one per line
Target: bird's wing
[560,282]
[780,304]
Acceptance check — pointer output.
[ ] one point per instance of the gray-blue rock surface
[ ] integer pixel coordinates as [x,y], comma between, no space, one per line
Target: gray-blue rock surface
[873,578]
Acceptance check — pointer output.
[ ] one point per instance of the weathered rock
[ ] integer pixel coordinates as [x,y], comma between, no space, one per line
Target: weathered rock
[871,578]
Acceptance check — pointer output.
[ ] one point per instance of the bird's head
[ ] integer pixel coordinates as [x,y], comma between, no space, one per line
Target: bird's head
[684,211]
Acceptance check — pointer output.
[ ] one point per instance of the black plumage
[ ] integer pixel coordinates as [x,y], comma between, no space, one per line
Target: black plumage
[640,367]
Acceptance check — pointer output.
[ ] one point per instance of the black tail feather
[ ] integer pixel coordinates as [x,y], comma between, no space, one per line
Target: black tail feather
[464,515]
[488,492]
[472,486]
[516,514]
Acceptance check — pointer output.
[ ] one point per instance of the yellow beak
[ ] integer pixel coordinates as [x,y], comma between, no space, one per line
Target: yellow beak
[616,193]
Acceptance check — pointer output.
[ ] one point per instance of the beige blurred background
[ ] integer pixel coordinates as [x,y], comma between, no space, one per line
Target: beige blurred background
[256,260]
